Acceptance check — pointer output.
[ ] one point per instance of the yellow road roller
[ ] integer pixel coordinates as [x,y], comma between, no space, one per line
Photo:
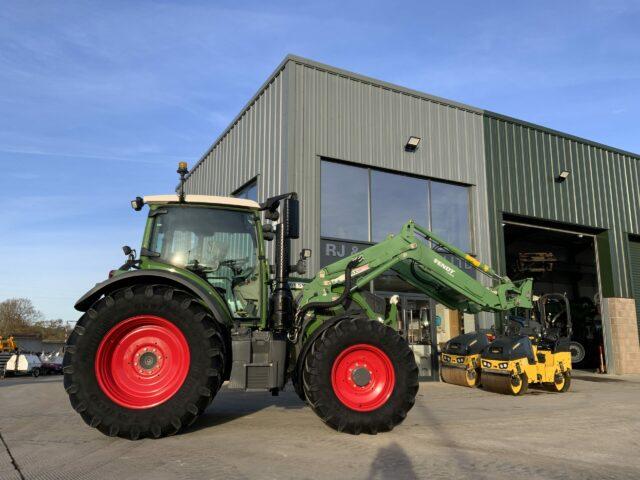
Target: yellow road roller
[460,359]
[537,353]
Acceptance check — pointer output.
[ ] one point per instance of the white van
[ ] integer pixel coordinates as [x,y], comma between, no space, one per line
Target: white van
[23,364]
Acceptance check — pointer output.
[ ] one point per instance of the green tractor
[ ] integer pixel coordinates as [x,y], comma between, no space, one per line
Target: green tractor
[202,305]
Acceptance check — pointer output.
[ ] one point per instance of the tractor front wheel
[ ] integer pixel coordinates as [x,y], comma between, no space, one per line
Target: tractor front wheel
[360,376]
[144,361]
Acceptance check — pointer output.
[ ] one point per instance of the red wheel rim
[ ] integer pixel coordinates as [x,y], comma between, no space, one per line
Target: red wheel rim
[363,377]
[142,361]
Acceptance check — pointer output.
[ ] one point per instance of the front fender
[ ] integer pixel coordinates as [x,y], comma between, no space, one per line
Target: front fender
[210,298]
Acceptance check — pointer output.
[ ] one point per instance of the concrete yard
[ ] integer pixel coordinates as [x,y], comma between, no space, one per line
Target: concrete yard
[593,431]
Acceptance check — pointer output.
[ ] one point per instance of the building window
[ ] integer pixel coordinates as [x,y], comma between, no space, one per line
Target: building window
[344,201]
[248,191]
[394,200]
[450,214]
[360,204]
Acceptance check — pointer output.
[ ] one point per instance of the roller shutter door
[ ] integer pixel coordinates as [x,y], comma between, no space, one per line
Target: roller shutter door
[635,275]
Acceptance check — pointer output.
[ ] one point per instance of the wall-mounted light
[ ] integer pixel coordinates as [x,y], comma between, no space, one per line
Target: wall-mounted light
[412,144]
[564,174]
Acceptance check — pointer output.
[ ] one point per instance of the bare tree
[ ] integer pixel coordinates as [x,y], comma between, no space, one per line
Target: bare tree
[17,314]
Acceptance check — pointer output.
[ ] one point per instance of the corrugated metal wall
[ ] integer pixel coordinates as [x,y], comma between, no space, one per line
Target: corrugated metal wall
[346,117]
[253,145]
[602,191]
[307,110]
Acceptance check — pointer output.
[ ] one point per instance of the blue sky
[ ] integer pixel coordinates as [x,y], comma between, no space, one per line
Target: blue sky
[99,100]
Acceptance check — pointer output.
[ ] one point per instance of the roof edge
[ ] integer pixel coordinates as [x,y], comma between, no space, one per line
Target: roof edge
[524,123]
[399,89]
[335,70]
[452,103]
[381,83]
[243,110]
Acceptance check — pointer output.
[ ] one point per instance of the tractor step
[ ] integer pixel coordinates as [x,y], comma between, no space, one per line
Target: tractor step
[259,359]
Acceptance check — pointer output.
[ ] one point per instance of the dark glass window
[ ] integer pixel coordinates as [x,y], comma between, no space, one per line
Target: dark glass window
[344,201]
[249,191]
[350,196]
[395,199]
[450,214]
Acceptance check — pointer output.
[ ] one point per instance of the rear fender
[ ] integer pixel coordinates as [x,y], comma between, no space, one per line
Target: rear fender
[210,298]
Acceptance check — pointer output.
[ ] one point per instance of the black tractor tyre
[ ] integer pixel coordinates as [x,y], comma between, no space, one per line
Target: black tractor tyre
[578,353]
[299,389]
[206,343]
[324,357]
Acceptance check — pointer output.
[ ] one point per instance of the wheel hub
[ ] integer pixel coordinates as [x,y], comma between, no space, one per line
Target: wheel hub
[142,361]
[148,360]
[361,376]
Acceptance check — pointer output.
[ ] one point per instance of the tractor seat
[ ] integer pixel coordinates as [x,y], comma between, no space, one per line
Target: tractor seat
[533,329]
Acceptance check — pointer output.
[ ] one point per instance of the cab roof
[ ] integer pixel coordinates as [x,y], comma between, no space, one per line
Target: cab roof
[202,199]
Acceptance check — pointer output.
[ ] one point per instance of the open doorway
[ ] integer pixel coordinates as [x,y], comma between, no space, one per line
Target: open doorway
[561,262]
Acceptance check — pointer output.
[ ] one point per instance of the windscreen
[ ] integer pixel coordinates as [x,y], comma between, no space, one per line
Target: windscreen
[207,237]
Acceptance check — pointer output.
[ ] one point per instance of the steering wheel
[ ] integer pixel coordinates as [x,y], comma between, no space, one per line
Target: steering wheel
[207,268]
[237,265]
[555,318]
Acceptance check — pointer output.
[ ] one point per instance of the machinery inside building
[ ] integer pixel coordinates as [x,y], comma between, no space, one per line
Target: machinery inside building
[560,262]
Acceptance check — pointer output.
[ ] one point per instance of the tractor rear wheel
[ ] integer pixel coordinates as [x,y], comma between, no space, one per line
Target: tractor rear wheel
[144,361]
[360,376]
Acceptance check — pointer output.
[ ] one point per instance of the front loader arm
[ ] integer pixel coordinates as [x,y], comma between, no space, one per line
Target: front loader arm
[411,256]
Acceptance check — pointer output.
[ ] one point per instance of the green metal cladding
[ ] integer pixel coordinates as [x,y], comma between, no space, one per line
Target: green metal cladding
[306,111]
[602,191]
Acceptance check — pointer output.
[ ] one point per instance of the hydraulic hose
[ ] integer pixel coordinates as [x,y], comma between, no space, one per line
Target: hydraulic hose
[338,301]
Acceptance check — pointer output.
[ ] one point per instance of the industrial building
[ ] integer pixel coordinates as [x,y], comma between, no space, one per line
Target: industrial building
[365,156]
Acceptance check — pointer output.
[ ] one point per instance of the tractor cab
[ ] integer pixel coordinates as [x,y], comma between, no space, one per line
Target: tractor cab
[217,239]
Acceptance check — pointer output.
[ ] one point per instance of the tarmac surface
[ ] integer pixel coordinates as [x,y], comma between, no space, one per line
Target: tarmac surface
[591,432]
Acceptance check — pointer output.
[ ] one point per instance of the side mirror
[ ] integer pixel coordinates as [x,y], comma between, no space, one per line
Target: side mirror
[127,250]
